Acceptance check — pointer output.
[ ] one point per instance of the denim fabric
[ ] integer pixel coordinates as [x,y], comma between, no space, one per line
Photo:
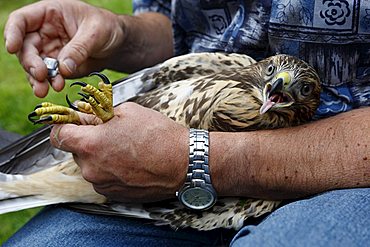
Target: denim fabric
[58,226]
[336,218]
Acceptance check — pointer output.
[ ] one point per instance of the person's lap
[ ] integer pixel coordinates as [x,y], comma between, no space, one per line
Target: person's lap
[59,226]
[336,218]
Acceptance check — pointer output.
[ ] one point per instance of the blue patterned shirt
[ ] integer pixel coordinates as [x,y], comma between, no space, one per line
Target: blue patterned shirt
[332,35]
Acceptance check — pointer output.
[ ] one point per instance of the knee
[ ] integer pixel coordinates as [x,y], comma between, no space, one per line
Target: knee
[338,217]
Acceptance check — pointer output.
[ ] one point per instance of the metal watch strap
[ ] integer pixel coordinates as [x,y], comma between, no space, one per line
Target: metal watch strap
[198,171]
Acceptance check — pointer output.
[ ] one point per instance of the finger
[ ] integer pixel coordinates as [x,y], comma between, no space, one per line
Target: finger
[79,49]
[30,59]
[40,89]
[76,52]
[57,83]
[77,139]
[91,65]
[67,137]
[20,22]
[89,119]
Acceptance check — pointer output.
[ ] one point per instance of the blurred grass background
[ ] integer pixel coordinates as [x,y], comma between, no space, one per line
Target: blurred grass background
[17,99]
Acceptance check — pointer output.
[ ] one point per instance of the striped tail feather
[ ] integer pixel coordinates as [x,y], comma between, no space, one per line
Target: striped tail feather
[33,153]
[11,202]
[21,203]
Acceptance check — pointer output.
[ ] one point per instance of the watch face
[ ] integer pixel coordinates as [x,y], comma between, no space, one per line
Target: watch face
[197,198]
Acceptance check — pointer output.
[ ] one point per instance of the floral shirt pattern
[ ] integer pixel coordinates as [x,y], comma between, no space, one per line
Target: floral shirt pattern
[332,35]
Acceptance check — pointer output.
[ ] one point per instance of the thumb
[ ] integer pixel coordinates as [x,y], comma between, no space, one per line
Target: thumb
[71,138]
[76,52]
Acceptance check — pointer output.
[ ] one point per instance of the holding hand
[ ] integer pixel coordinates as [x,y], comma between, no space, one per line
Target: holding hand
[84,38]
[80,36]
[139,155]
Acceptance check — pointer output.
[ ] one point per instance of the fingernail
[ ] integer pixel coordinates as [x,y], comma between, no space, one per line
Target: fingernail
[7,42]
[9,45]
[34,89]
[70,65]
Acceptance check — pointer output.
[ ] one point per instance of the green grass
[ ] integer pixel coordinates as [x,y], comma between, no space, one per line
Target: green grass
[17,99]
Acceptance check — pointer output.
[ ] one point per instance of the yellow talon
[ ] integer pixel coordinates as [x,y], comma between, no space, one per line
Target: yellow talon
[84,107]
[99,102]
[50,113]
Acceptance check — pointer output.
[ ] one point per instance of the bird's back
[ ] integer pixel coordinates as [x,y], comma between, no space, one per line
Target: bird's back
[209,91]
[226,100]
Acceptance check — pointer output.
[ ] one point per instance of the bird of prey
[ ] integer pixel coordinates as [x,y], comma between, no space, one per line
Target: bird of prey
[213,91]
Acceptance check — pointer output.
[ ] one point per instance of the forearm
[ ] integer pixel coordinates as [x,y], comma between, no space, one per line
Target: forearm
[294,162]
[147,41]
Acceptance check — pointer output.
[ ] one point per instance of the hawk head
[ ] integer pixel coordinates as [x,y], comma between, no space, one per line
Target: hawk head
[279,91]
[290,86]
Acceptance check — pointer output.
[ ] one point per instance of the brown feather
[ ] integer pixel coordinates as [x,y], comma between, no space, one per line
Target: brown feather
[214,91]
[230,100]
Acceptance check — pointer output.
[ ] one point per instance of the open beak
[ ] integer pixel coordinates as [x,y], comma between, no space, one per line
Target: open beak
[274,94]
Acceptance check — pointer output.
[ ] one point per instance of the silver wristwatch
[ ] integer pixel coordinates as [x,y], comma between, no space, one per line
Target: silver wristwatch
[198,192]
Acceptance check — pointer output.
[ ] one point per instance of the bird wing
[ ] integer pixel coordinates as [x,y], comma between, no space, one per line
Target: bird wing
[228,212]
[34,153]
[202,75]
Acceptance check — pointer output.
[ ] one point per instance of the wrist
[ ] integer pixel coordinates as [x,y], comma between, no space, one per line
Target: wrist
[181,158]
[197,193]
[231,163]
[146,41]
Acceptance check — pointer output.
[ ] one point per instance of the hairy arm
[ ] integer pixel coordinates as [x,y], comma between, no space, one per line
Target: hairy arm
[141,155]
[294,162]
[148,41]
[84,39]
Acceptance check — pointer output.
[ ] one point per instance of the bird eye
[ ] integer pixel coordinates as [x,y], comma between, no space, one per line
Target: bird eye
[306,90]
[270,70]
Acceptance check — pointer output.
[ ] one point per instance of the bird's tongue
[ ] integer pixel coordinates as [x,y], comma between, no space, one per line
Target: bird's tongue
[277,98]
[266,106]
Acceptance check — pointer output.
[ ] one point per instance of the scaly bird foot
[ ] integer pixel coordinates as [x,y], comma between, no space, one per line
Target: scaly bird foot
[97,101]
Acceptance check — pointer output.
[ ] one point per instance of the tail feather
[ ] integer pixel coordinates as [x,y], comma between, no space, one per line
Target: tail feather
[10,177]
[5,195]
[6,178]
[11,202]
[20,203]
[134,210]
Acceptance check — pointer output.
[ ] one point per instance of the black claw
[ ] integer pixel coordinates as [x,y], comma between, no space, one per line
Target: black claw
[30,117]
[102,76]
[38,106]
[71,105]
[80,83]
[42,120]
[36,121]
[85,96]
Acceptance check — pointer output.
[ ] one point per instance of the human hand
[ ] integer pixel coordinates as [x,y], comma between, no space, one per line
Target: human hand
[139,155]
[80,36]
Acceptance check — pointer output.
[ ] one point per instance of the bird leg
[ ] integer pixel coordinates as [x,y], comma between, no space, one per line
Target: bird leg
[97,101]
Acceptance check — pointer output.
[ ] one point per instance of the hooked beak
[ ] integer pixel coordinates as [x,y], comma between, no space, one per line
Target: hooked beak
[275,94]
